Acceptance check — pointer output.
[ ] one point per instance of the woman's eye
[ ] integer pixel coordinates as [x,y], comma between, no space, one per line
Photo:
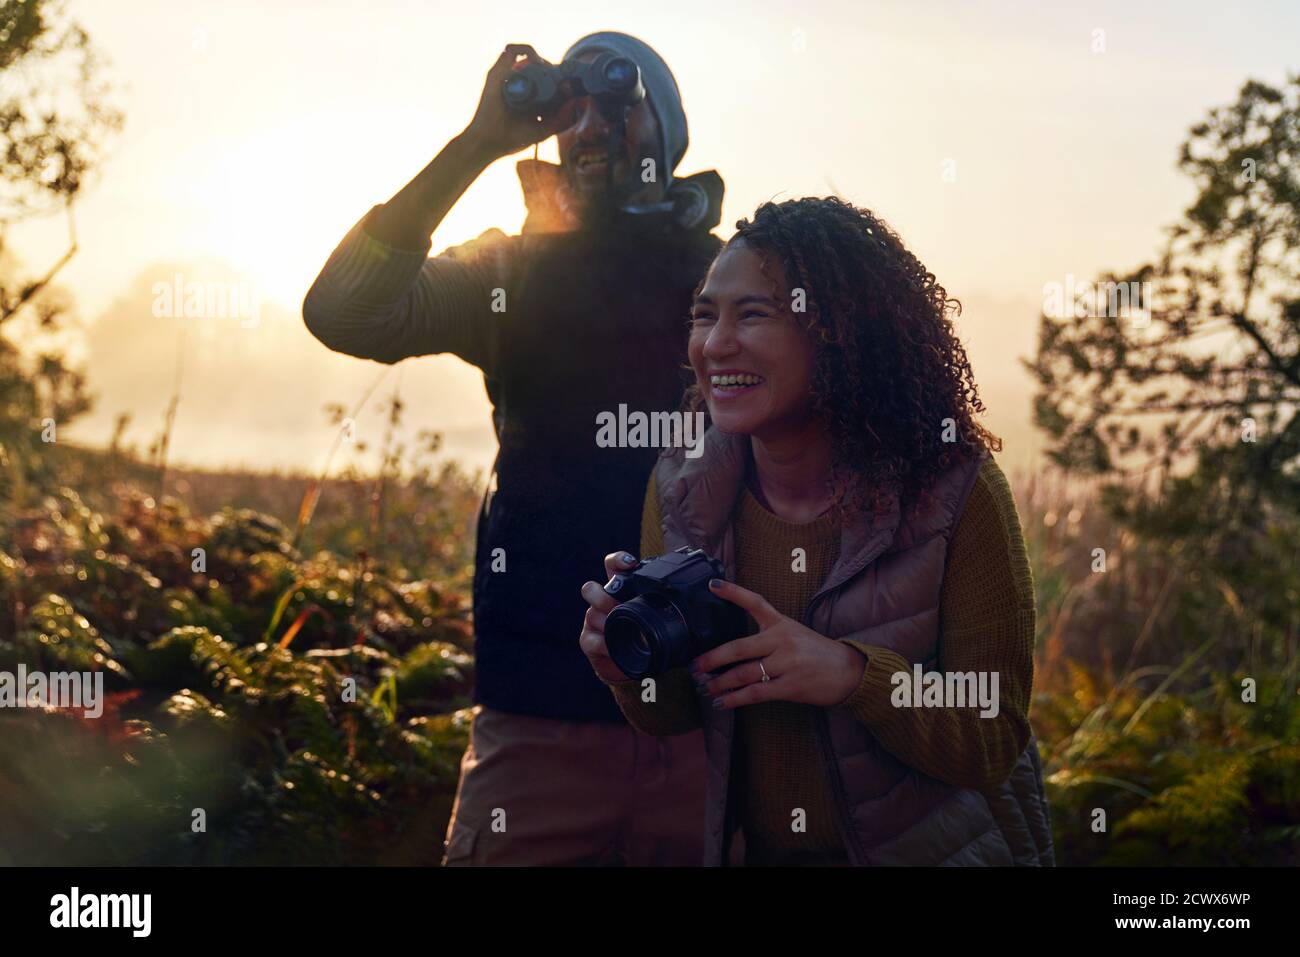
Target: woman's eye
[704,320]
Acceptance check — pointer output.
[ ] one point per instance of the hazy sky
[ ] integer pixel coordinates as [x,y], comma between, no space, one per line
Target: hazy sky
[257,133]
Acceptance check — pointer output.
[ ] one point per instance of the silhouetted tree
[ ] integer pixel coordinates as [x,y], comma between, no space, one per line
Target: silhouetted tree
[1185,403]
[55,116]
[1213,357]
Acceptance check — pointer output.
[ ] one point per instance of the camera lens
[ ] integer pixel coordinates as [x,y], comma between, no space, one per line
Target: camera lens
[646,636]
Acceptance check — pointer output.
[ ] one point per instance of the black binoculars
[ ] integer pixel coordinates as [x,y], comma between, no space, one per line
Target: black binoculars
[540,88]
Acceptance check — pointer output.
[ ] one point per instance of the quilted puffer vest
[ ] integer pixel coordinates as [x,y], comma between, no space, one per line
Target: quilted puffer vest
[883,590]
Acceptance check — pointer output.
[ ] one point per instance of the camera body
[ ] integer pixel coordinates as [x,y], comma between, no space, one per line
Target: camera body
[540,88]
[667,614]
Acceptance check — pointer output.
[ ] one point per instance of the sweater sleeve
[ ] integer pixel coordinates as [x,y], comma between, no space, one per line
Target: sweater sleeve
[987,625]
[377,302]
[675,708]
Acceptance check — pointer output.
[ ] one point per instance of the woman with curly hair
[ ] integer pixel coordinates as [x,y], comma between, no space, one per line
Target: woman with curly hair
[877,712]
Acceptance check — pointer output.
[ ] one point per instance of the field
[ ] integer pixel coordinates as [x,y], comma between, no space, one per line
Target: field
[289,668]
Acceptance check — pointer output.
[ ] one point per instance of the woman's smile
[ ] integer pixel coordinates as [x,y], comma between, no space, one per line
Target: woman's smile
[729,384]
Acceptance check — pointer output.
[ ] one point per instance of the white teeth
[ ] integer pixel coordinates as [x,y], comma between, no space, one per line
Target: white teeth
[741,379]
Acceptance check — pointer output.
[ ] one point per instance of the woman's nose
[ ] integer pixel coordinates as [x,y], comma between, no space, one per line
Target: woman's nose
[721,341]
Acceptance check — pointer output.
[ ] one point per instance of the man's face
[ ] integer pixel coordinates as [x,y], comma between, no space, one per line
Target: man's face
[583,143]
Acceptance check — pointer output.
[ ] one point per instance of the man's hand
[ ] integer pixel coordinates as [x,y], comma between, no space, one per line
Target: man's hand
[802,665]
[498,131]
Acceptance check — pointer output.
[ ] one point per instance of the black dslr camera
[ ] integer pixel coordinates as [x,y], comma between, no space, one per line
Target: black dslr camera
[539,88]
[667,614]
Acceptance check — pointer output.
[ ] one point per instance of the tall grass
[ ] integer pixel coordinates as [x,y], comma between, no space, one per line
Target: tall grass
[1155,750]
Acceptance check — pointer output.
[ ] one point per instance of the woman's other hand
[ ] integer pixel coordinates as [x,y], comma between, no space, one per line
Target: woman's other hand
[802,665]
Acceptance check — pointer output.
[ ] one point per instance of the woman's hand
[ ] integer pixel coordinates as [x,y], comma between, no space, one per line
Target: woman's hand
[803,666]
[592,640]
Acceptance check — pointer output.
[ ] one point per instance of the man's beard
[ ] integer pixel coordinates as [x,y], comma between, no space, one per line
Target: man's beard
[600,205]
[604,210]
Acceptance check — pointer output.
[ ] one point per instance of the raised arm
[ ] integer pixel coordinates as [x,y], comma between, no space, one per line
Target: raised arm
[374,301]
[379,297]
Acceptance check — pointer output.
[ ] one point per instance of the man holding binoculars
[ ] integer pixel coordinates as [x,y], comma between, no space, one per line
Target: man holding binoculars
[581,312]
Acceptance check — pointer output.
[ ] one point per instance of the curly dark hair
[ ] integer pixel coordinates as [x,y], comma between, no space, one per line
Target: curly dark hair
[888,367]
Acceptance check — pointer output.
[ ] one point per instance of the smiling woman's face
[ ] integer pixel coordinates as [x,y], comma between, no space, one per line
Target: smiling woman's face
[753,362]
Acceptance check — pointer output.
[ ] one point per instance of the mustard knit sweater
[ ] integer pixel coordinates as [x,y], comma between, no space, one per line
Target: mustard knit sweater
[986,625]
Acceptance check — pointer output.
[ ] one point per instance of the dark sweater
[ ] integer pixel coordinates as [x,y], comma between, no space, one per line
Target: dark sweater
[564,326]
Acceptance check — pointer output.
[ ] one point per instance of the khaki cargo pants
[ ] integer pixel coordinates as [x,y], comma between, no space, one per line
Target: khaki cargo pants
[540,791]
